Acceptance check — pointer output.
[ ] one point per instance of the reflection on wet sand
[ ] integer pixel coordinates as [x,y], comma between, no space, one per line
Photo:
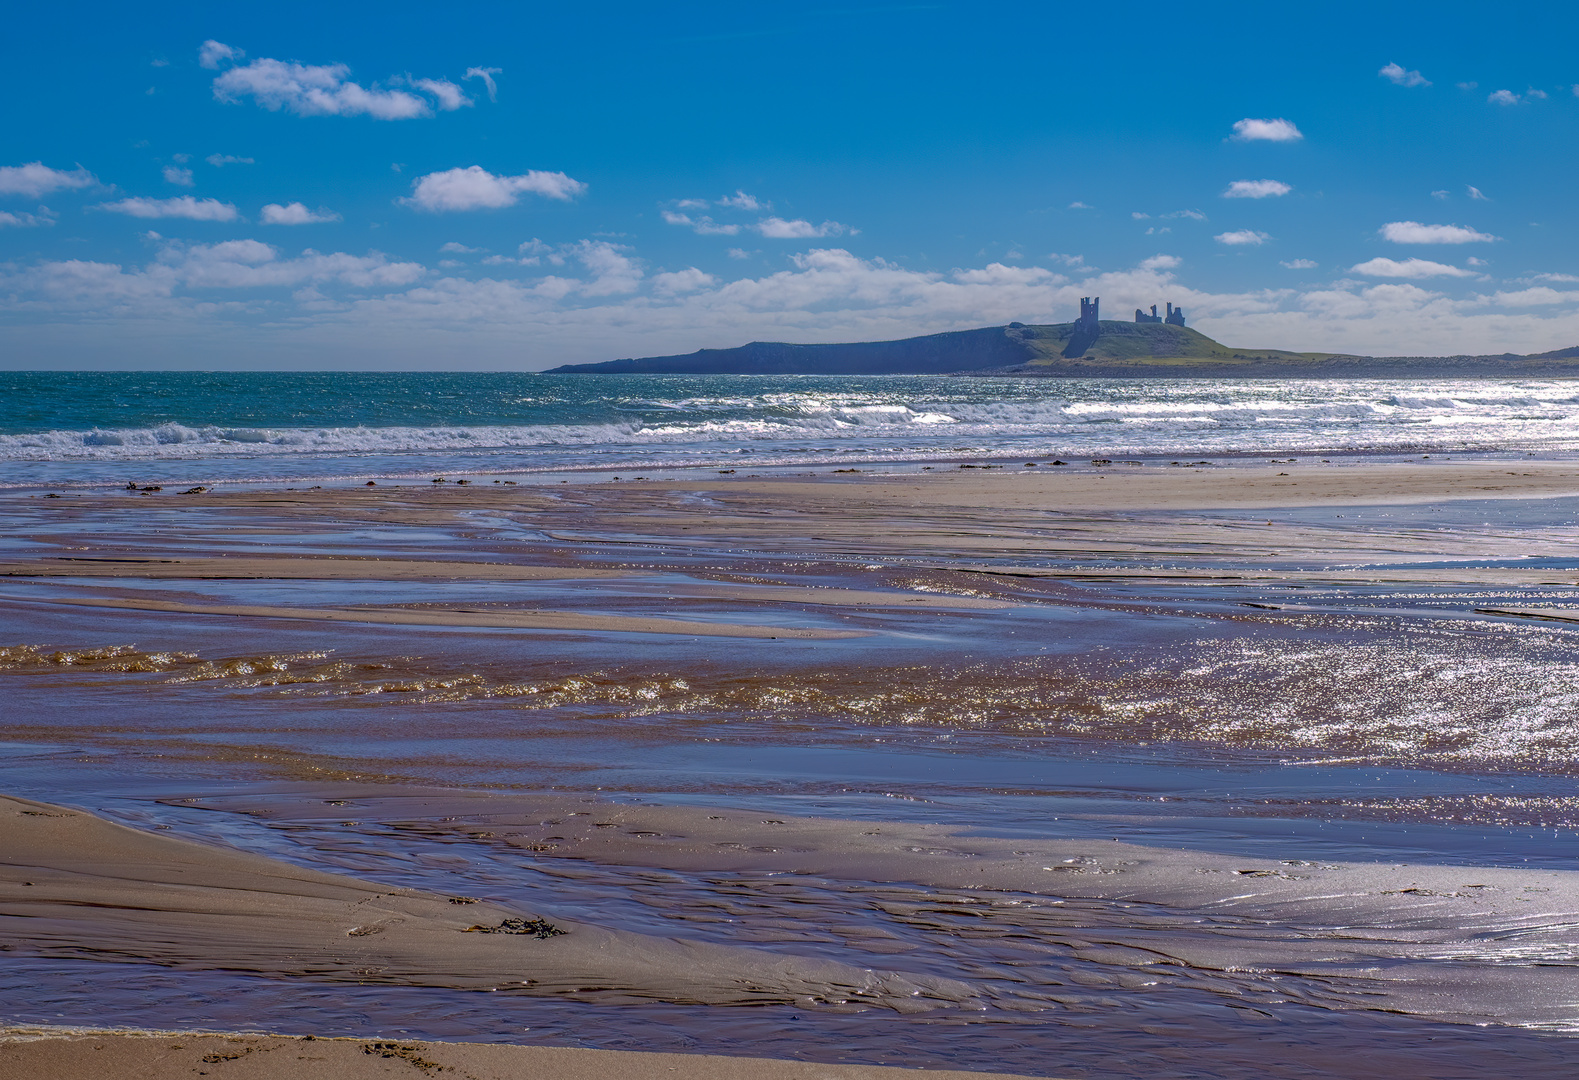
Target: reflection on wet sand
[1042,658]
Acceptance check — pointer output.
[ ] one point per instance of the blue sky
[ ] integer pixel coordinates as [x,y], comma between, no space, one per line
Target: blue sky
[522,185]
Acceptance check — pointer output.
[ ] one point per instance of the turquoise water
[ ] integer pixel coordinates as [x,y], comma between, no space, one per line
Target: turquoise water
[92,428]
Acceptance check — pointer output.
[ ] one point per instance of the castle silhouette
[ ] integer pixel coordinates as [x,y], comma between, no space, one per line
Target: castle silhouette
[1087,323]
[1175,316]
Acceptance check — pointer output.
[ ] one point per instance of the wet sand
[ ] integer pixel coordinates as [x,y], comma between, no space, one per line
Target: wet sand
[29,1054]
[843,599]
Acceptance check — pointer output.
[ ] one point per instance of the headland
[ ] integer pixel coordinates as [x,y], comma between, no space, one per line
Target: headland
[1152,346]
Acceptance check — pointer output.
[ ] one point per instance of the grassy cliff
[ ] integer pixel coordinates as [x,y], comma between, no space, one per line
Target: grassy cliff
[1062,350]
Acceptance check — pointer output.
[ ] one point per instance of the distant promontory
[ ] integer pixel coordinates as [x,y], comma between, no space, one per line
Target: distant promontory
[1086,348]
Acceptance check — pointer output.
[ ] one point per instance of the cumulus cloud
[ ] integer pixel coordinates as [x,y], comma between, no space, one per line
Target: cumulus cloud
[612,270]
[1299,264]
[1503,97]
[1538,296]
[244,264]
[447,94]
[486,75]
[1408,268]
[1256,189]
[1476,194]
[211,54]
[1137,215]
[1396,73]
[174,174]
[35,179]
[322,89]
[741,201]
[1412,232]
[1251,130]
[221,160]
[474,188]
[1077,205]
[182,206]
[455,248]
[9,220]
[1242,238]
[295,214]
[1193,215]
[702,226]
[828,294]
[682,281]
[776,228]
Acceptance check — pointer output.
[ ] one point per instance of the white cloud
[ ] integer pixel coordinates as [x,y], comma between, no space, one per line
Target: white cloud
[739,253]
[174,174]
[486,75]
[1279,130]
[213,53]
[1299,264]
[250,264]
[315,90]
[1539,296]
[1397,74]
[446,93]
[9,220]
[776,228]
[474,188]
[182,206]
[1412,232]
[1136,215]
[702,226]
[1503,97]
[1193,215]
[1079,206]
[612,270]
[682,281]
[142,314]
[36,178]
[1161,262]
[692,204]
[1256,189]
[1242,238]
[1533,94]
[1408,268]
[295,214]
[1475,193]
[454,248]
[1439,194]
[221,160]
[322,89]
[741,201]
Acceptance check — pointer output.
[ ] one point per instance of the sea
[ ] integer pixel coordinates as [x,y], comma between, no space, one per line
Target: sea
[82,429]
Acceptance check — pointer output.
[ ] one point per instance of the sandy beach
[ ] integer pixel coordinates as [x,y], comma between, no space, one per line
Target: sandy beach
[287,836]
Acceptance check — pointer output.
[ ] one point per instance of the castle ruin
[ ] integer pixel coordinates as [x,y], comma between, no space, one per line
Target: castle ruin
[1088,315]
[1175,316]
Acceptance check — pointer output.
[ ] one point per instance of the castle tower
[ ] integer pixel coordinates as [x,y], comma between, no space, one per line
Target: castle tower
[1088,314]
[1175,316]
